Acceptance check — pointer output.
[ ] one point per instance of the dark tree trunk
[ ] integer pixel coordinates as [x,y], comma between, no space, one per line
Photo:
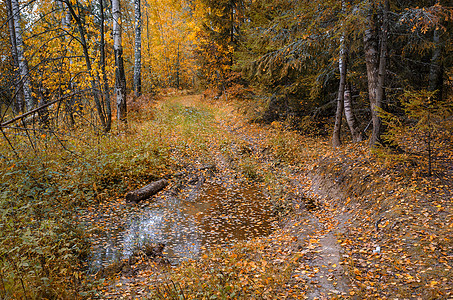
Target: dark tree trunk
[108,109]
[94,82]
[69,103]
[436,69]
[376,66]
[44,112]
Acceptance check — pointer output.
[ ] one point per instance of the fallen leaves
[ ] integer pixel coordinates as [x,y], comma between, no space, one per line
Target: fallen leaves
[393,232]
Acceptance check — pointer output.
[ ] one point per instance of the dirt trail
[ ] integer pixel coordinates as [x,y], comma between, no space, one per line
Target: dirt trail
[311,227]
[315,229]
[385,260]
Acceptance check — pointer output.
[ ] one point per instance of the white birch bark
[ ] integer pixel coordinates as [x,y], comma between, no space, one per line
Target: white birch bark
[65,19]
[18,104]
[120,81]
[336,140]
[342,62]
[22,61]
[350,117]
[138,49]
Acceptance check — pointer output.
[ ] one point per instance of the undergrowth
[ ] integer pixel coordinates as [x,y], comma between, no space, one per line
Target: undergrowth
[47,179]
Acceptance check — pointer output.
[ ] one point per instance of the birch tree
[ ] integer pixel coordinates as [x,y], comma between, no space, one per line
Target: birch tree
[18,104]
[344,99]
[138,49]
[350,116]
[342,61]
[120,77]
[22,61]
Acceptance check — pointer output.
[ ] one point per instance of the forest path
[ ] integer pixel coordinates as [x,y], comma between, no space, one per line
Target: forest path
[314,223]
[245,152]
[312,230]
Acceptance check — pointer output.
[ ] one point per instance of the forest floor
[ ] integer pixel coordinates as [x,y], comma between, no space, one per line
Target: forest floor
[350,224]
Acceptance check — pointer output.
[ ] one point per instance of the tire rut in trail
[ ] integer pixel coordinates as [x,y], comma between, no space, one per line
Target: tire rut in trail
[325,278]
[320,266]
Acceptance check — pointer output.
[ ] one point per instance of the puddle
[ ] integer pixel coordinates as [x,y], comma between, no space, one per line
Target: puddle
[216,216]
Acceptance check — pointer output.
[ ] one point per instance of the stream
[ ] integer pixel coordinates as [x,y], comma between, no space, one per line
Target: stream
[215,215]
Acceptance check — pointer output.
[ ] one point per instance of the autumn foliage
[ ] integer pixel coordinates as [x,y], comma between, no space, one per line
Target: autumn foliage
[307,147]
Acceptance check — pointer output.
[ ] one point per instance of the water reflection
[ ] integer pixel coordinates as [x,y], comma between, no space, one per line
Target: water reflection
[217,216]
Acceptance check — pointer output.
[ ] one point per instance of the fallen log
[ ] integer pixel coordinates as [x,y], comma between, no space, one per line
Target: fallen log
[146,191]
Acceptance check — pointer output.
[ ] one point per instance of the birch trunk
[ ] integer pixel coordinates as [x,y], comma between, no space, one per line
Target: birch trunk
[66,17]
[120,81]
[22,61]
[336,139]
[342,61]
[138,50]
[350,117]
[18,102]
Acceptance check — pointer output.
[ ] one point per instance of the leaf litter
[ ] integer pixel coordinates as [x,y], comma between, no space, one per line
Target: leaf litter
[348,226]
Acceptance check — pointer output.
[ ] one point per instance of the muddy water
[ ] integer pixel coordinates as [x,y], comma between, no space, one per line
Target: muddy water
[215,216]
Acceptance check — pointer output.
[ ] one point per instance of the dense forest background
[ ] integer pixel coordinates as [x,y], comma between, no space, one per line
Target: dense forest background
[303,62]
[77,76]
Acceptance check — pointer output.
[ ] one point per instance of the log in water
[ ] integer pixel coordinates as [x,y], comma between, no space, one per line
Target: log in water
[146,191]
